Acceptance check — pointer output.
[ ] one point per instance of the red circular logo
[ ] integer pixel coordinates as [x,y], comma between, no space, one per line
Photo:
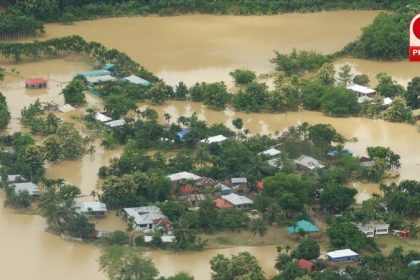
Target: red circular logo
[416,28]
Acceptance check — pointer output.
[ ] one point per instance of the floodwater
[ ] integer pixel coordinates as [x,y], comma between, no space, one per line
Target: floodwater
[195,48]
[189,48]
[28,252]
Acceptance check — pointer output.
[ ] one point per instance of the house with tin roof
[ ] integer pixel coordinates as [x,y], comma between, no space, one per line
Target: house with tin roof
[30,187]
[238,201]
[148,218]
[183,176]
[345,255]
[304,227]
[91,208]
[308,163]
[214,139]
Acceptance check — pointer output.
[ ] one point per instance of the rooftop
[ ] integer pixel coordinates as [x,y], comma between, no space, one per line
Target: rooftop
[86,206]
[102,118]
[36,81]
[236,200]
[66,108]
[98,79]
[305,264]
[15,178]
[308,162]
[183,176]
[303,225]
[137,80]
[116,123]
[222,204]
[30,187]
[222,187]
[214,139]
[187,189]
[239,180]
[270,152]
[145,215]
[94,73]
[361,89]
[342,253]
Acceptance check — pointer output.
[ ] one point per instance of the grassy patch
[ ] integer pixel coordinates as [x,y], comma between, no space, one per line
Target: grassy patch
[388,242]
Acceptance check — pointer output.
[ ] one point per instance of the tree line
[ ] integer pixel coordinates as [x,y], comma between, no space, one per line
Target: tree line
[63,10]
[76,45]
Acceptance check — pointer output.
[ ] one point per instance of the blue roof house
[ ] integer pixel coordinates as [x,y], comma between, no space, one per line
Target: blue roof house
[182,134]
[304,226]
[224,190]
[95,73]
[109,67]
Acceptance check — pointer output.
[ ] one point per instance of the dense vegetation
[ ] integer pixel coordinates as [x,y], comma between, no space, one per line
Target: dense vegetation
[62,10]
[15,25]
[386,38]
[4,112]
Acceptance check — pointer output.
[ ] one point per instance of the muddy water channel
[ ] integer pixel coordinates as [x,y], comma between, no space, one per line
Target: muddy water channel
[188,48]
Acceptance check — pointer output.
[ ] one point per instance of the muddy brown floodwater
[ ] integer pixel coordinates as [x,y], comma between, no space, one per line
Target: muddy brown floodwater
[207,47]
[188,48]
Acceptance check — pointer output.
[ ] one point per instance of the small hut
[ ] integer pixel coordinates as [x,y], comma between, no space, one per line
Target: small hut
[36,83]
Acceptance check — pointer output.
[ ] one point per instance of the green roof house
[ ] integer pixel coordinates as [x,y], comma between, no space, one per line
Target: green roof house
[305,227]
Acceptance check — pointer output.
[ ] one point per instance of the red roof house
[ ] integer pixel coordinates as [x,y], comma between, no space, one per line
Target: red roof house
[36,83]
[260,185]
[305,264]
[187,189]
[222,204]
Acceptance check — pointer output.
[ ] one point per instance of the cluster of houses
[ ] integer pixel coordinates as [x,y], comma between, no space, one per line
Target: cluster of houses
[372,229]
[20,184]
[107,73]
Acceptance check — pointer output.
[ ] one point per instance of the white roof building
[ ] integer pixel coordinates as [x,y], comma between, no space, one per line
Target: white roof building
[308,162]
[183,176]
[214,139]
[270,152]
[86,207]
[239,180]
[387,101]
[31,188]
[237,200]
[15,178]
[116,123]
[137,80]
[66,108]
[102,118]
[164,238]
[146,218]
[342,253]
[98,79]
[361,90]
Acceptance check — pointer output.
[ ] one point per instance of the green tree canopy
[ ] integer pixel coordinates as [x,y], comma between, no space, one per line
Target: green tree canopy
[241,266]
[243,76]
[339,102]
[308,249]
[4,112]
